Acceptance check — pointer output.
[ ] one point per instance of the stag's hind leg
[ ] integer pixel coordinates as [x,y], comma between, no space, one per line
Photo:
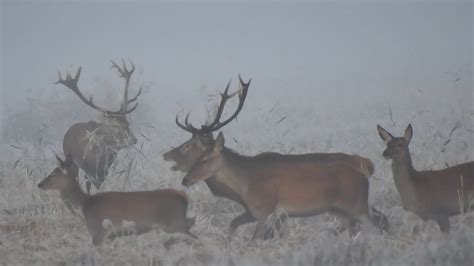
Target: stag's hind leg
[443,223]
[247,217]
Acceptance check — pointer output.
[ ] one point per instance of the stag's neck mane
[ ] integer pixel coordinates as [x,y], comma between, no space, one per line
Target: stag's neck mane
[232,155]
[235,173]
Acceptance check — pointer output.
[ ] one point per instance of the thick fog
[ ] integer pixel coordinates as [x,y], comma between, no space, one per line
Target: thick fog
[330,53]
[324,74]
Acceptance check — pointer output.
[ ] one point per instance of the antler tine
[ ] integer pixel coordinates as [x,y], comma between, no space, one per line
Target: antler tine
[220,109]
[136,96]
[187,126]
[126,74]
[123,71]
[71,83]
[216,124]
[242,82]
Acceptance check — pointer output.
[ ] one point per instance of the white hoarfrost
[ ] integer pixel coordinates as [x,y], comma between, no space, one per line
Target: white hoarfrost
[36,228]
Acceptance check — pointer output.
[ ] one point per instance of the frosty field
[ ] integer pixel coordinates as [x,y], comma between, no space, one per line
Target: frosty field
[37,229]
[324,74]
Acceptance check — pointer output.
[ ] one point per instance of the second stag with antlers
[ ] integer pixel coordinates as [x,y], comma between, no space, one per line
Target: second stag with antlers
[93,145]
[202,141]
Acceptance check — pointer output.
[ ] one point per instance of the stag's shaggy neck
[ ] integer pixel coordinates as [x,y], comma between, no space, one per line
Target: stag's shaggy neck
[235,171]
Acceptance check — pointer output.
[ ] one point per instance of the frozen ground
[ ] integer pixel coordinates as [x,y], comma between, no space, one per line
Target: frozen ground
[35,227]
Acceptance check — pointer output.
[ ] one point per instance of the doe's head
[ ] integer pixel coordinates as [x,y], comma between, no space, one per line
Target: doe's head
[396,146]
[61,176]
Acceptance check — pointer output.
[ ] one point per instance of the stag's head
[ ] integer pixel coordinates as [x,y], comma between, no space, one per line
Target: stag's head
[397,147]
[61,177]
[185,155]
[207,165]
[115,122]
[118,128]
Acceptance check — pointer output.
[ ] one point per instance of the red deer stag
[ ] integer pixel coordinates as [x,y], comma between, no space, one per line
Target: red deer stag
[164,208]
[202,140]
[432,195]
[300,188]
[94,145]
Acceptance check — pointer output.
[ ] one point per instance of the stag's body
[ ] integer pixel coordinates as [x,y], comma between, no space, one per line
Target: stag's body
[93,146]
[298,187]
[432,195]
[164,208]
[202,141]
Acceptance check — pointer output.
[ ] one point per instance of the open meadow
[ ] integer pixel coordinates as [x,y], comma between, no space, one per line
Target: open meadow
[37,229]
[323,75]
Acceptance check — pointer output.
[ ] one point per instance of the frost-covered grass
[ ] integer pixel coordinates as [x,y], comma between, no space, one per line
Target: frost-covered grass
[35,227]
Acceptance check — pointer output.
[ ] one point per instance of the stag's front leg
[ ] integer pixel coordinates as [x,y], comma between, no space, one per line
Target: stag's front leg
[278,228]
[260,228]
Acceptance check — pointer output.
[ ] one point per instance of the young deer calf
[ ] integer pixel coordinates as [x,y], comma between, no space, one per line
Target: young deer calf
[300,188]
[432,195]
[165,208]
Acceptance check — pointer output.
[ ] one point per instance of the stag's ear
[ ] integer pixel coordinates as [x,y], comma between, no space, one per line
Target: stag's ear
[219,143]
[408,133]
[384,134]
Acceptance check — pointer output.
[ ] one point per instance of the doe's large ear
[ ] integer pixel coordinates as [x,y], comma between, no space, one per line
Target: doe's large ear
[408,133]
[218,146]
[384,134]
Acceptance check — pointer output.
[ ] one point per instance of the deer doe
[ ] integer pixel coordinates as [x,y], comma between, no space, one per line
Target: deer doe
[164,209]
[432,195]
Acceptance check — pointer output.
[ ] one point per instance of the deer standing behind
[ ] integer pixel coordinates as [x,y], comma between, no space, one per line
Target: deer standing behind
[298,188]
[432,195]
[202,141]
[94,145]
[164,208]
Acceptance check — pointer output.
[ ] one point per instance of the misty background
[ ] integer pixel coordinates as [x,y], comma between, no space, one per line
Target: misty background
[324,74]
[327,58]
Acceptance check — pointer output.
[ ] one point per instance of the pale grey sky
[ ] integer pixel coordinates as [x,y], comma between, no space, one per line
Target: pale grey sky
[360,47]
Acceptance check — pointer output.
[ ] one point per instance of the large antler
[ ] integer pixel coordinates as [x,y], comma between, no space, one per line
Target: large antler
[216,124]
[187,126]
[71,83]
[126,74]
